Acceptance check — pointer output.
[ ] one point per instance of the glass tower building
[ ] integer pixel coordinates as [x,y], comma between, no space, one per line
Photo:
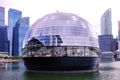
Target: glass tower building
[106,43]
[13,17]
[3,31]
[118,30]
[106,23]
[2,16]
[3,40]
[19,32]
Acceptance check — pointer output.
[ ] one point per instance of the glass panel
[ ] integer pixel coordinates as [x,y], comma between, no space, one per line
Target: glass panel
[63,33]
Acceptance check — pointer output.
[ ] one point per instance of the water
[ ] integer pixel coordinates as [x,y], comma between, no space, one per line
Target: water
[17,71]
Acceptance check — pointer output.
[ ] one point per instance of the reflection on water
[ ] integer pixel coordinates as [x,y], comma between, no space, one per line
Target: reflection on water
[81,76]
[17,71]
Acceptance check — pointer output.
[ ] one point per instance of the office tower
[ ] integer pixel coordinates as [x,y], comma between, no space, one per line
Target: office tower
[117,55]
[3,39]
[13,17]
[115,44]
[6,40]
[118,30]
[118,35]
[106,43]
[107,47]
[19,32]
[2,16]
[106,23]
[3,31]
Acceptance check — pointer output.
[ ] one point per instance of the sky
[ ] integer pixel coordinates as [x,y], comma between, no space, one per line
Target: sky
[91,10]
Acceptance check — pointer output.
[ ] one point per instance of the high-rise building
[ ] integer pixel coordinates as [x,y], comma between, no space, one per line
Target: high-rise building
[117,55]
[106,23]
[13,17]
[3,31]
[118,30]
[106,43]
[115,44]
[3,39]
[2,16]
[107,47]
[19,32]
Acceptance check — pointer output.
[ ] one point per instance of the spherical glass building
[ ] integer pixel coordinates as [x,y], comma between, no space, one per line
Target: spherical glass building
[59,39]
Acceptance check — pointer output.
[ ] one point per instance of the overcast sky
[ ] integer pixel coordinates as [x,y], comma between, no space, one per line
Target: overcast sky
[91,10]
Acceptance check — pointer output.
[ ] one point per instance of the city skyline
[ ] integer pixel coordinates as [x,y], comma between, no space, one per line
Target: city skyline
[12,36]
[92,12]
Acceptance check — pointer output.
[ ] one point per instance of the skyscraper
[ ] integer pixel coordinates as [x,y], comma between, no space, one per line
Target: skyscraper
[106,23]
[119,30]
[19,32]
[106,43]
[117,55]
[13,17]
[118,34]
[2,16]
[3,32]
[3,40]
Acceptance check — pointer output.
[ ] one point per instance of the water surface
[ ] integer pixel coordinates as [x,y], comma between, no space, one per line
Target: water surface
[17,71]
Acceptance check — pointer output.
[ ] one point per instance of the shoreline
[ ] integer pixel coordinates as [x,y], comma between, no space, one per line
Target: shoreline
[10,60]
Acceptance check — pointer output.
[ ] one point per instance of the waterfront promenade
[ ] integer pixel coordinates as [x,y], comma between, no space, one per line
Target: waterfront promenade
[10,60]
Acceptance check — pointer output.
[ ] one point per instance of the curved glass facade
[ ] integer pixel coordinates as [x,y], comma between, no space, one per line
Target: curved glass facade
[106,22]
[61,34]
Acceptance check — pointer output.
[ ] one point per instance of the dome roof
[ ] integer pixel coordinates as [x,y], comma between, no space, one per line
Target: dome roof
[68,29]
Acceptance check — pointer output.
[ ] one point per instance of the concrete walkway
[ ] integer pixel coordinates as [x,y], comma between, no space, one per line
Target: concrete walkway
[9,60]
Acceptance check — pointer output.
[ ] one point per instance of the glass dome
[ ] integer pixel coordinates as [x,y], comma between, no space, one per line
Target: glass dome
[62,29]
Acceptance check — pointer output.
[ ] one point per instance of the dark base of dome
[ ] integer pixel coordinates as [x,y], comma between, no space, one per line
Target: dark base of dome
[62,64]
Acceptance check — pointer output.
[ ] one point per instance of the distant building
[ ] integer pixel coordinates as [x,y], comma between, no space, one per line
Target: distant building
[3,40]
[13,17]
[117,56]
[2,16]
[115,44]
[106,43]
[106,23]
[107,46]
[19,32]
[119,35]
[119,31]
[3,32]
[4,54]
